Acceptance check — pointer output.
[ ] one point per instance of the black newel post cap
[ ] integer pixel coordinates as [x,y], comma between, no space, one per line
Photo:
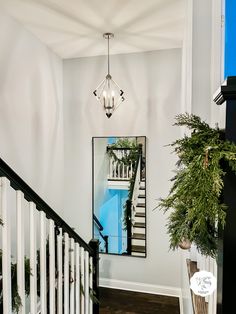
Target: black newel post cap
[227,91]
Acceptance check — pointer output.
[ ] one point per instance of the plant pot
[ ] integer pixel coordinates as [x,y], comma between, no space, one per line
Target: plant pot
[185,244]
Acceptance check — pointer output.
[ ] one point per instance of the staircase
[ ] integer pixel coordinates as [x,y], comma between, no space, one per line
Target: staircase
[45,266]
[138,233]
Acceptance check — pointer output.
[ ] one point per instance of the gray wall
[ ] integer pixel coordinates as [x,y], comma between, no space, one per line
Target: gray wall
[31,121]
[152,85]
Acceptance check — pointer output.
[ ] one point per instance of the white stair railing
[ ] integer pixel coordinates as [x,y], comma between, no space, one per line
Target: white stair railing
[63,268]
[119,170]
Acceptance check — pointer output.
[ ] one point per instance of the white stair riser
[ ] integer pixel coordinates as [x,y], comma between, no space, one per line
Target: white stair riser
[139,219]
[138,230]
[141,192]
[142,184]
[141,200]
[140,210]
[138,242]
[138,254]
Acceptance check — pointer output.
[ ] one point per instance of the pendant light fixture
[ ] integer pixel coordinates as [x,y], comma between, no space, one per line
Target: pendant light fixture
[108,92]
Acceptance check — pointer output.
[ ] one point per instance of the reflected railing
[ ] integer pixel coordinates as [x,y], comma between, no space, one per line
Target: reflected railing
[100,228]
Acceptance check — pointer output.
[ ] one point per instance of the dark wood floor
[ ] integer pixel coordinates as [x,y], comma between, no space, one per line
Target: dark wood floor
[113,301]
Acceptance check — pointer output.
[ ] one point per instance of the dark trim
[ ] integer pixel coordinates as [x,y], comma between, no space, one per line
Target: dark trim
[18,184]
[94,244]
[118,148]
[129,226]
[227,91]
[227,238]
[100,227]
[145,178]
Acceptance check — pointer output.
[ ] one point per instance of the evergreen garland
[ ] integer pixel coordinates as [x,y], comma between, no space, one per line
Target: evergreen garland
[195,196]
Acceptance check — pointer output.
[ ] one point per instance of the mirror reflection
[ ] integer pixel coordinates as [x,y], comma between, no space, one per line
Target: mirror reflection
[119,194]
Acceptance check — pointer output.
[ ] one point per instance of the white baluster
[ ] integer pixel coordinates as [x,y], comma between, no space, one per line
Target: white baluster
[77,283]
[86,289]
[20,250]
[59,273]
[123,167]
[110,167]
[72,276]
[6,248]
[91,284]
[82,279]
[33,259]
[66,274]
[43,266]
[127,172]
[131,171]
[52,266]
[119,170]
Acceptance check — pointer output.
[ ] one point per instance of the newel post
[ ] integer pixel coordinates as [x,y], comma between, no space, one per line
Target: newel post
[227,243]
[94,244]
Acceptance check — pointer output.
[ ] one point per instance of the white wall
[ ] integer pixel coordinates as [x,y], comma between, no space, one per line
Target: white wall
[31,122]
[100,164]
[206,43]
[152,85]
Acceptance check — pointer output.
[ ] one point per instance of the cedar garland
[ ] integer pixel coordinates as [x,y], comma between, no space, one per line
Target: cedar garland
[195,195]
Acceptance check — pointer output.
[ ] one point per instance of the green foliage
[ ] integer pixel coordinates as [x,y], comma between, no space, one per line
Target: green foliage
[16,300]
[130,155]
[195,195]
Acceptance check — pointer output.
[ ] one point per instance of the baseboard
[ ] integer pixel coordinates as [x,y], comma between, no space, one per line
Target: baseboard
[140,287]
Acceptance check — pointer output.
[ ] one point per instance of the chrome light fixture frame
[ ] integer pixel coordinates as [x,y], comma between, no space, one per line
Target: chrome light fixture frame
[108,92]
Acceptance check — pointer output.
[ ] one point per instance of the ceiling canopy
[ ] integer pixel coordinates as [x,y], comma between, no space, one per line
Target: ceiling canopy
[74,28]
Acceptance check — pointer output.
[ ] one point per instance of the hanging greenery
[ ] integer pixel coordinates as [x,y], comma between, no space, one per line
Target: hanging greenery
[16,300]
[130,155]
[195,196]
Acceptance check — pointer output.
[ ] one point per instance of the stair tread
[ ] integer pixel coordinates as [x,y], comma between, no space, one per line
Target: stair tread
[139,236]
[142,188]
[141,196]
[139,225]
[138,248]
[140,205]
[140,215]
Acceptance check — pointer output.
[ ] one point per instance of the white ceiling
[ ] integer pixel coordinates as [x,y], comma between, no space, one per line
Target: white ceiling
[74,28]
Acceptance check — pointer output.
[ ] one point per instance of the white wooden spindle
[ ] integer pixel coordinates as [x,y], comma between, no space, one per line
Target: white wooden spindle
[66,274]
[86,280]
[72,276]
[119,170]
[127,172]
[43,267]
[20,250]
[59,273]
[111,167]
[52,266]
[33,260]
[77,283]
[82,279]
[6,248]
[123,165]
[91,284]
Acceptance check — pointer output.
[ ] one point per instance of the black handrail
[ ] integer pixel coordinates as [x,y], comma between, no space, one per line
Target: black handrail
[100,227]
[18,184]
[119,148]
[129,201]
